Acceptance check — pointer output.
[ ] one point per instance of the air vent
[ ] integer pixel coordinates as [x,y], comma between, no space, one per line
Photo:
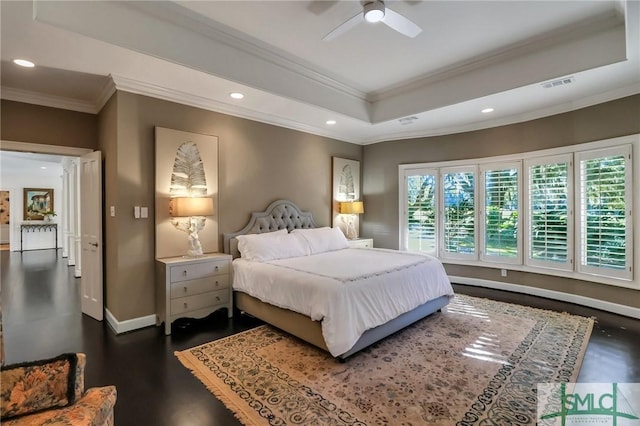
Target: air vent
[407,120]
[558,82]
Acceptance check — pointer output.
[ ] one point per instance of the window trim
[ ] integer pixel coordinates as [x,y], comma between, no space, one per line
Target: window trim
[517,260]
[441,243]
[404,211]
[633,140]
[537,161]
[625,151]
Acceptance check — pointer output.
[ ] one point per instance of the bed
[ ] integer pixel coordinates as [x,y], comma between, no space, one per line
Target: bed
[305,280]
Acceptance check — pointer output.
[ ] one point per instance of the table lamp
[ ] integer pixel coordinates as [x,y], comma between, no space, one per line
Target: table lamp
[351,208]
[194,209]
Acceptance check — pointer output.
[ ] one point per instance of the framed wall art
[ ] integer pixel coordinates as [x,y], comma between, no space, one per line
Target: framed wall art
[345,187]
[37,202]
[186,166]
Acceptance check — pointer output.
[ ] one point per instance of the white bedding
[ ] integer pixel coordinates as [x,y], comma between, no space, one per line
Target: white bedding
[349,290]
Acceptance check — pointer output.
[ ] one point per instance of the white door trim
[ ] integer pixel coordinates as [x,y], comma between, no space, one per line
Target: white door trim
[40,148]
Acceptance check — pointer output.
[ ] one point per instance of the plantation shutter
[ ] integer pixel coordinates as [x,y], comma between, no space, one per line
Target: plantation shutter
[549,212]
[501,237]
[459,238]
[605,212]
[421,209]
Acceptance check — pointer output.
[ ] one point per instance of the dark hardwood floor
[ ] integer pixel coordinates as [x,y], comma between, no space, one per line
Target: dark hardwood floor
[42,318]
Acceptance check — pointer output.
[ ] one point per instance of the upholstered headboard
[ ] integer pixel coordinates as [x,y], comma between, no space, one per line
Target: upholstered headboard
[281,214]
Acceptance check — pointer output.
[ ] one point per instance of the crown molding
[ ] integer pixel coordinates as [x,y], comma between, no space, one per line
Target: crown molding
[129,85]
[562,36]
[218,32]
[29,97]
[105,94]
[573,105]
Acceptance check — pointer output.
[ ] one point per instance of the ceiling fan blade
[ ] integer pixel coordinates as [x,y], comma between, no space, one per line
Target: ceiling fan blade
[401,24]
[344,27]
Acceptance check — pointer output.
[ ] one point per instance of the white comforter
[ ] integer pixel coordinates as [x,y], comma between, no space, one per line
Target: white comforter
[350,290]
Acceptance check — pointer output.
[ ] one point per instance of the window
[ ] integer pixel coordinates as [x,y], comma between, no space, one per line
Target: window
[549,212]
[421,211]
[564,211]
[501,236]
[459,213]
[605,211]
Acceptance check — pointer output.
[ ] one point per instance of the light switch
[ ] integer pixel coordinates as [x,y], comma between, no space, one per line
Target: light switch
[112,211]
[136,212]
[144,212]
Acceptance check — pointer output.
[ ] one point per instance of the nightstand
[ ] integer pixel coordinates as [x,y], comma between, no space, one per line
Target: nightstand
[361,242]
[192,287]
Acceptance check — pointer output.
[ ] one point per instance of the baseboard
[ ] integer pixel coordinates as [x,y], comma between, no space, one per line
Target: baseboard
[603,305]
[129,325]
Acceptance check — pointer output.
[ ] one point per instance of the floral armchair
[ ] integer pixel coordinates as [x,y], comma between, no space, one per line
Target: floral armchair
[52,392]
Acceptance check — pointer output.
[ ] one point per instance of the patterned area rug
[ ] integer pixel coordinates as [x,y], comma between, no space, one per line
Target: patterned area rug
[476,362]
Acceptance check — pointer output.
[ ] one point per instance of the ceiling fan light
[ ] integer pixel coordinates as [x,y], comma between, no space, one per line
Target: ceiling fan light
[374,11]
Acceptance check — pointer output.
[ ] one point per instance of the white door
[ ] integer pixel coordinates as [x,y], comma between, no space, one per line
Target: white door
[91,234]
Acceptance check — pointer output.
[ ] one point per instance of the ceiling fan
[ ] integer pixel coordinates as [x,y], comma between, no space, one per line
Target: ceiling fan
[376,11]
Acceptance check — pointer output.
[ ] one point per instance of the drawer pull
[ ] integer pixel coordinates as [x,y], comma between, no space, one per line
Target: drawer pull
[218,298]
[217,283]
[217,268]
[185,305]
[184,273]
[185,289]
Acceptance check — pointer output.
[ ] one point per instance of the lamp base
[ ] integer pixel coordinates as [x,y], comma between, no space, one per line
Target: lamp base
[352,231]
[192,226]
[192,256]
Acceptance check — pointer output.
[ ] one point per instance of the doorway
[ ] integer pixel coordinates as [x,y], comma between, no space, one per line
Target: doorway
[69,171]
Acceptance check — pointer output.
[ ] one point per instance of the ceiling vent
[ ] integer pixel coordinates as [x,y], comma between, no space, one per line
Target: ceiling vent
[407,120]
[558,82]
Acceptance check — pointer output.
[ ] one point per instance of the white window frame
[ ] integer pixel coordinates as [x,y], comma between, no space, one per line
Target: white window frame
[481,229]
[630,280]
[443,253]
[539,161]
[404,235]
[627,272]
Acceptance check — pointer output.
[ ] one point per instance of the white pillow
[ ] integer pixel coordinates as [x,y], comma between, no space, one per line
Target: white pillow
[324,239]
[271,246]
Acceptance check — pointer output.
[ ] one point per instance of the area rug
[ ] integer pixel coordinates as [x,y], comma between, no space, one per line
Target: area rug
[476,362]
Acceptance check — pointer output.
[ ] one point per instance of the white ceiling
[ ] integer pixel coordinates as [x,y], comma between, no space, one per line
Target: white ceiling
[19,163]
[470,55]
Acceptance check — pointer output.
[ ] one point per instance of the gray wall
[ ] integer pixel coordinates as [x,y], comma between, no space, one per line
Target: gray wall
[380,177]
[258,163]
[20,122]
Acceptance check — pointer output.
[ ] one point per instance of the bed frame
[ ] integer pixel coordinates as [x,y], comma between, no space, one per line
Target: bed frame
[284,214]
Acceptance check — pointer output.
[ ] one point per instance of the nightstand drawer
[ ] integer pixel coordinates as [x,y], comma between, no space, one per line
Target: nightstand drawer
[198,270]
[198,301]
[201,285]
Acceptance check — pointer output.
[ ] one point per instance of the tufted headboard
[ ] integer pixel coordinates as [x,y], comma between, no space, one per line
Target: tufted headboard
[281,214]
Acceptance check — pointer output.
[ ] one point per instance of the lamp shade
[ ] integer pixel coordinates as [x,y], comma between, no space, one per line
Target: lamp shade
[351,207]
[190,206]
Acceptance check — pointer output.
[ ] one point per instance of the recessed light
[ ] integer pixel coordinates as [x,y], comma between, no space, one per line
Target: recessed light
[236,95]
[43,167]
[331,122]
[24,63]
[487,110]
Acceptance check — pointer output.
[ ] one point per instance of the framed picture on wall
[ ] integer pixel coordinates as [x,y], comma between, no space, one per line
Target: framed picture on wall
[345,187]
[37,202]
[186,166]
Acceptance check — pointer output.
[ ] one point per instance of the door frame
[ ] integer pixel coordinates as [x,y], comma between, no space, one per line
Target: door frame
[47,149]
